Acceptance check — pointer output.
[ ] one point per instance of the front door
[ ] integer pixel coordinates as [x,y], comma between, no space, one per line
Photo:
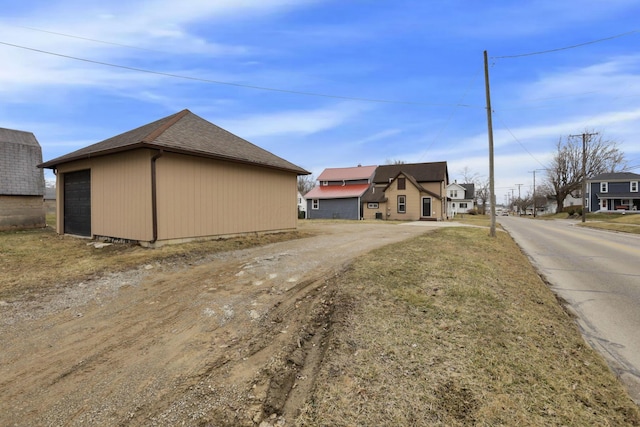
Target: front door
[426,206]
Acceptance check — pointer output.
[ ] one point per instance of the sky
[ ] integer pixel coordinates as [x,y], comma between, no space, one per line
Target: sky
[332,83]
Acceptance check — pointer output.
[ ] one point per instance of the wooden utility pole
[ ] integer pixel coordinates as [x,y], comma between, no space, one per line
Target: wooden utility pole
[534,193]
[584,171]
[492,197]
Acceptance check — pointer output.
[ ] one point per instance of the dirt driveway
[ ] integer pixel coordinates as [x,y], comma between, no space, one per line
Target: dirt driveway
[233,339]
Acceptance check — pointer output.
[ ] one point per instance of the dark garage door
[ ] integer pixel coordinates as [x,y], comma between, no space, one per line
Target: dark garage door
[77,203]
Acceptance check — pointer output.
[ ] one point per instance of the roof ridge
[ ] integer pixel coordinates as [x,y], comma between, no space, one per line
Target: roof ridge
[163,128]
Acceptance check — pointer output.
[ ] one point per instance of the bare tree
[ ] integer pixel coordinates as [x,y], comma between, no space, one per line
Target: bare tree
[564,175]
[306,183]
[468,176]
[394,162]
[483,195]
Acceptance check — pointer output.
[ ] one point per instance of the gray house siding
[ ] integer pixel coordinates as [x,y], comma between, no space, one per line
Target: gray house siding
[334,209]
[616,192]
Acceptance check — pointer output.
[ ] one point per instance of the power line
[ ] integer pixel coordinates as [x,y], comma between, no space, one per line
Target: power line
[85,38]
[518,141]
[542,52]
[246,86]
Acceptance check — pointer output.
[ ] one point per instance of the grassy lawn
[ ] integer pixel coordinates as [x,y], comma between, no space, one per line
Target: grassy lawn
[455,328]
[627,223]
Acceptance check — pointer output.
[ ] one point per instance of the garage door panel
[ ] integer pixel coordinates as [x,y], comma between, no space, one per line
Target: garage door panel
[77,203]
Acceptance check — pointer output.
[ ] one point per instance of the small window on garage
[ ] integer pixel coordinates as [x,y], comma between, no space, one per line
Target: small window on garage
[315,204]
[634,186]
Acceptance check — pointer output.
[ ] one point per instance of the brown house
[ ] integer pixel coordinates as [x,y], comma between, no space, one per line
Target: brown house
[176,179]
[21,182]
[414,191]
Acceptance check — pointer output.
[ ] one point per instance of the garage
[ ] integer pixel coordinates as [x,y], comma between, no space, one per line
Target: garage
[77,203]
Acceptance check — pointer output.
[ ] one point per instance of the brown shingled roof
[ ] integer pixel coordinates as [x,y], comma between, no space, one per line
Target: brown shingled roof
[422,172]
[184,133]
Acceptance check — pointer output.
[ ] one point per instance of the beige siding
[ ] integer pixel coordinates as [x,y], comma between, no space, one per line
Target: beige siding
[414,201]
[368,213]
[200,197]
[120,194]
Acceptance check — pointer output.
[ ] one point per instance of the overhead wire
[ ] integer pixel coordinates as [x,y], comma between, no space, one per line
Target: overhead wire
[542,52]
[247,86]
[84,38]
[552,51]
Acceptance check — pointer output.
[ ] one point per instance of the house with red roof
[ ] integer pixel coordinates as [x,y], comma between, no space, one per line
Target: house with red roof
[339,192]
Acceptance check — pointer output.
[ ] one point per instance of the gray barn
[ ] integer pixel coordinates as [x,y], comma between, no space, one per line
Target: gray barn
[21,182]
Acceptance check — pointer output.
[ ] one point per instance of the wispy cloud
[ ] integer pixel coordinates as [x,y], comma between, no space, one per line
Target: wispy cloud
[294,122]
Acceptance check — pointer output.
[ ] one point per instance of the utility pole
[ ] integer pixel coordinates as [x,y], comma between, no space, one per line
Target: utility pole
[584,171]
[492,197]
[519,199]
[534,193]
[534,190]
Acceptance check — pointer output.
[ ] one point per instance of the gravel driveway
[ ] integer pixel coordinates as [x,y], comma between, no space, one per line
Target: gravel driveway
[222,341]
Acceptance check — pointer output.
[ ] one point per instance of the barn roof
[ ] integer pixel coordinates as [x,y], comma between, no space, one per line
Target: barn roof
[20,153]
[337,191]
[347,174]
[184,133]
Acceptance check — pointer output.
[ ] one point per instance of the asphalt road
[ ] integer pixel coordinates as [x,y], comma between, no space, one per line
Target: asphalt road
[598,274]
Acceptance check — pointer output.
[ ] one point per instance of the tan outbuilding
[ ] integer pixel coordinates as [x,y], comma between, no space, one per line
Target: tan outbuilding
[179,178]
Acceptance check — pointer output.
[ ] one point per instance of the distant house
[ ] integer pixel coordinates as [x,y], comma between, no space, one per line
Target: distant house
[302,206]
[414,191]
[176,179]
[461,198]
[50,200]
[610,192]
[339,192]
[21,182]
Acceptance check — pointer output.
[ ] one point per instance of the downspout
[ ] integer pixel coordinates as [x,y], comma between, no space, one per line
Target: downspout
[154,200]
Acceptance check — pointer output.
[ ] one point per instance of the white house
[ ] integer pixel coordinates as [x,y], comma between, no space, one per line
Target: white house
[460,198]
[302,205]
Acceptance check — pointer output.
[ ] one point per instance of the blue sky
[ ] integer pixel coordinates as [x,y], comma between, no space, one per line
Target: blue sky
[424,57]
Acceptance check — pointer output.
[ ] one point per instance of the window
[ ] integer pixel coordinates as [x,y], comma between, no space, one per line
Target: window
[402,184]
[634,186]
[604,187]
[372,206]
[325,183]
[463,205]
[402,204]
[315,204]
[454,193]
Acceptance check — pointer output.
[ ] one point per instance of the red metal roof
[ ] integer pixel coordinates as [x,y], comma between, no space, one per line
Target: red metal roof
[347,174]
[336,191]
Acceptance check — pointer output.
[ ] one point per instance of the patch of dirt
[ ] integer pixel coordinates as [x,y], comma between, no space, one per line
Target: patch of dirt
[235,338]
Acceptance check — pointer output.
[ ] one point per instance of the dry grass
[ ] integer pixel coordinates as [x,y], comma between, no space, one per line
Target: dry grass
[627,223]
[455,328]
[35,261]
